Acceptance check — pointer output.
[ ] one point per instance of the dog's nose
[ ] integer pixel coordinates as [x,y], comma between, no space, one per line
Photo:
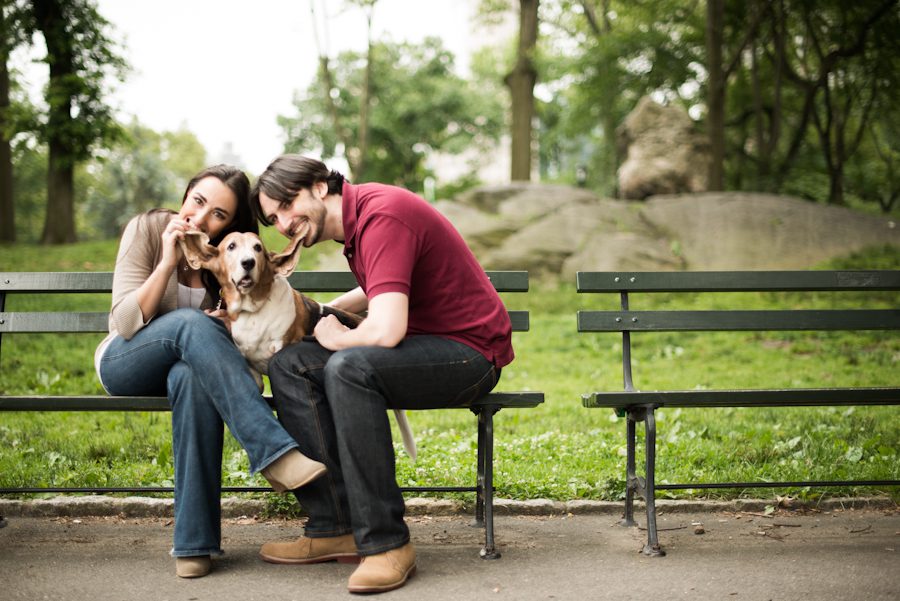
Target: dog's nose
[248,264]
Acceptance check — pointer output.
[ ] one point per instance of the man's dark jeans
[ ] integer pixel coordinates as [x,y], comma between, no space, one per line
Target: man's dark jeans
[335,404]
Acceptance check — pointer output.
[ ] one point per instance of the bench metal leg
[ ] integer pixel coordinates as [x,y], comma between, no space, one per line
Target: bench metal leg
[652,547]
[631,480]
[478,522]
[486,480]
[643,487]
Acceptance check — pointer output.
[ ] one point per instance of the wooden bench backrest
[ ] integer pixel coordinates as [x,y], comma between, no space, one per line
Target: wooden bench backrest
[101,282]
[627,320]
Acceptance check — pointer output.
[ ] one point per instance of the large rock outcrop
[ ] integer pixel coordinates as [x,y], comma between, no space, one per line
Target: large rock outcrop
[665,154]
[554,231]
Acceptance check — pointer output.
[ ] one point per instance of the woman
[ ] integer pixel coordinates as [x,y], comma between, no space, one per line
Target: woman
[162,342]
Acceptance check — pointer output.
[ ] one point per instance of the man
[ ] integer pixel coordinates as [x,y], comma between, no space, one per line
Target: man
[436,335]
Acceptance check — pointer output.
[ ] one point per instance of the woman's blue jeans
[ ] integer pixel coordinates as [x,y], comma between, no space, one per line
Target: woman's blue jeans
[336,406]
[191,358]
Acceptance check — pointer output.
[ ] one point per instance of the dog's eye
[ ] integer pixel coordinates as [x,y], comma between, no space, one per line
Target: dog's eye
[232,246]
[258,248]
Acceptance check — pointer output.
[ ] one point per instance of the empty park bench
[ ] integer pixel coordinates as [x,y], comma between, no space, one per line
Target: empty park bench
[639,405]
[21,323]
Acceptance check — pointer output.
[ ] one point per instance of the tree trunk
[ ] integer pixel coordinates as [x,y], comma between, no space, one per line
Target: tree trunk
[759,122]
[59,223]
[715,118]
[521,87]
[7,205]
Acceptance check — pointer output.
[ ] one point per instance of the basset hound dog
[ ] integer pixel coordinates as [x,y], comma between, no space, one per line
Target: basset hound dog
[265,311]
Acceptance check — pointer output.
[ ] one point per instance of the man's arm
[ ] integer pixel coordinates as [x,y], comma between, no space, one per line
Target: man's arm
[384,326]
[354,301]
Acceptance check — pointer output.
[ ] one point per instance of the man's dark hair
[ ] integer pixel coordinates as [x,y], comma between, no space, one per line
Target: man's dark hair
[287,175]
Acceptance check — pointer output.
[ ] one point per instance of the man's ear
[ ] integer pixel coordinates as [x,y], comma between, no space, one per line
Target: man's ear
[197,249]
[285,262]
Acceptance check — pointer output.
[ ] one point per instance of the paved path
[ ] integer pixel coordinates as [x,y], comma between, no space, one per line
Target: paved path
[836,555]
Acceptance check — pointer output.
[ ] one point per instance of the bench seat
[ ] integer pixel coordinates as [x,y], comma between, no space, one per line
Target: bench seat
[784,397]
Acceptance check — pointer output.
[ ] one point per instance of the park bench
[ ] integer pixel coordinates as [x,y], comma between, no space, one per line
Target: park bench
[23,323]
[639,405]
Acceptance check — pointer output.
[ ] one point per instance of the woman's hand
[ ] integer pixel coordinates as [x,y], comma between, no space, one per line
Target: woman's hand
[171,235]
[150,293]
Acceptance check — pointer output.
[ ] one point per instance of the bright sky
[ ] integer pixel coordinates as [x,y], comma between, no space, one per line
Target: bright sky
[225,69]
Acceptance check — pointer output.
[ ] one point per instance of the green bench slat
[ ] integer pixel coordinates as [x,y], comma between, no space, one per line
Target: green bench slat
[50,322]
[790,397]
[339,281]
[76,282]
[713,321]
[55,281]
[503,400]
[83,403]
[509,400]
[306,281]
[736,281]
[322,281]
[519,320]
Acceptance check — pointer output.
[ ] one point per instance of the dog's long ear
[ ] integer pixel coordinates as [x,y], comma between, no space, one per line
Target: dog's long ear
[285,261]
[232,298]
[197,249]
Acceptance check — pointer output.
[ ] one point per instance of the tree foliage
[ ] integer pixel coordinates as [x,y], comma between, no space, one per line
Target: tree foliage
[419,106]
[144,170]
[789,91]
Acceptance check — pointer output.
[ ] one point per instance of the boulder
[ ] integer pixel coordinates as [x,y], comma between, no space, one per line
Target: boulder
[665,154]
[743,230]
[603,234]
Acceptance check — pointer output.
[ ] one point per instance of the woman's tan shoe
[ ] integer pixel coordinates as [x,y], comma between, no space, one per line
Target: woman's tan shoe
[292,470]
[193,567]
[384,571]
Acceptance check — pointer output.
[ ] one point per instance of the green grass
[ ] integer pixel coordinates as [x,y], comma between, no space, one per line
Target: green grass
[557,451]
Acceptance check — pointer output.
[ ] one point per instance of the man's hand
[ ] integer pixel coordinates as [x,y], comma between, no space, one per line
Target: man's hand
[385,325]
[328,330]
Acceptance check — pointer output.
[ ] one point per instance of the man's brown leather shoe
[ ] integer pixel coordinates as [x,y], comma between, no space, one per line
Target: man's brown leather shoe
[311,550]
[384,571]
